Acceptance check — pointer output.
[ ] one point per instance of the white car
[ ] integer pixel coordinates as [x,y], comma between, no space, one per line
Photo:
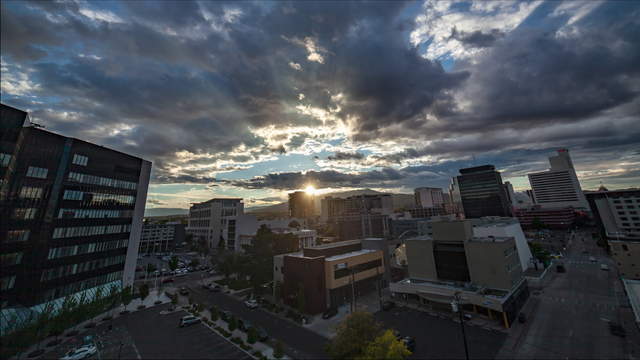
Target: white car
[80,353]
[251,304]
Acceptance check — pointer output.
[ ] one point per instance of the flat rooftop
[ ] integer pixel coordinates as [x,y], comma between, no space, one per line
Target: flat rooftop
[350,254]
[337,244]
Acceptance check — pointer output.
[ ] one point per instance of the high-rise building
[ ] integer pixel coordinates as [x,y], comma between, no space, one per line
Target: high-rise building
[558,186]
[427,197]
[301,205]
[216,222]
[360,216]
[161,238]
[617,213]
[71,215]
[482,192]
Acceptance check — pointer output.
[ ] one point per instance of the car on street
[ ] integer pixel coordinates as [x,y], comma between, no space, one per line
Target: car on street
[216,288]
[184,291]
[189,320]
[604,267]
[617,330]
[331,312]
[592,259]
[82,352]
[388,305]
[251,304]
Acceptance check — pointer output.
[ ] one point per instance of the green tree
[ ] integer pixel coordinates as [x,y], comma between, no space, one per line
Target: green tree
[151,268]
[214,313]
[233,323]
[252,335]
[353,335]
[144,291]
[278,351]
[386,346]
[126,295]
[173,263]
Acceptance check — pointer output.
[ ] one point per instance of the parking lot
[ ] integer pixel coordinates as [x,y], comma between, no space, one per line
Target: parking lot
[438,338]
[148,335]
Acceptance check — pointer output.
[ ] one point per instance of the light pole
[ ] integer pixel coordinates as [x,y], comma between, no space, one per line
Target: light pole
[456,307]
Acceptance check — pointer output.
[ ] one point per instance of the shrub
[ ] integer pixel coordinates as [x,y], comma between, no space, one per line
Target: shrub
[278,352]
[236,340]
[233,323]
[245,347]
[252,336]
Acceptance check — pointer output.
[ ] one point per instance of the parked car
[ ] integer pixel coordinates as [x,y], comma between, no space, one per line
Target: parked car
[82,352]
[592,259]
[388,305]
[216,288]
[189,320]
[244,325]
[184,291]
[617,330]
[331,312]
[251,304]
[467,317]
[522,318]
[262,335]
[168,280]
[604,267]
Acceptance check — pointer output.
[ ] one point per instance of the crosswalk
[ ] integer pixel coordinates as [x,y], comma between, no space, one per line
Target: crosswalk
[582,303]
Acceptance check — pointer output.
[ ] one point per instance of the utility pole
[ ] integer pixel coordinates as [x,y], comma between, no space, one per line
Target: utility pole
[456,307]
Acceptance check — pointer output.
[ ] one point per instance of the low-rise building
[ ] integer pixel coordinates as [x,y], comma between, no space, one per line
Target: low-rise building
[484,272]
[556,218]
[161,238]
[328,275]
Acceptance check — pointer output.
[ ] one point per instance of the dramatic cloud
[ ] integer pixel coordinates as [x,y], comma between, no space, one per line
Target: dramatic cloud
[274,95]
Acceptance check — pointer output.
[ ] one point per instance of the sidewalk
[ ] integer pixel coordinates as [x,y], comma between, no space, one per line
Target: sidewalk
[518,331]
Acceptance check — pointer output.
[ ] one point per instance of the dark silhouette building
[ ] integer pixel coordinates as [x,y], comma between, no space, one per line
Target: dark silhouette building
[301,205]
[71,215]
[482,192]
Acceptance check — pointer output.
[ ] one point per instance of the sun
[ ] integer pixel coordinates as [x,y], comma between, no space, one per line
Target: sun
[310,190]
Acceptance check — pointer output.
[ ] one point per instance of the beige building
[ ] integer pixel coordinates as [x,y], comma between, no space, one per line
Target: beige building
[484,271]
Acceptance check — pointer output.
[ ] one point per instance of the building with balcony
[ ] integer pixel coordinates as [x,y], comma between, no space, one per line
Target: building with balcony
[71,216]
[484,272]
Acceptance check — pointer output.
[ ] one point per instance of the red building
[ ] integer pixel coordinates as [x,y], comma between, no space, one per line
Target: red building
[557,218]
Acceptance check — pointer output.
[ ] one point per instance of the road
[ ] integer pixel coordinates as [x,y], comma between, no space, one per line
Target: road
[571,314]
[300,343]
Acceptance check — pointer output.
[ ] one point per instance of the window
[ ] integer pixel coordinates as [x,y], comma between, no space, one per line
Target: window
[80,160]
[102,181]
[616,201]
[37,172]
[624,218]
[11,259]
[18,235]
[628,201]
[7,282]
[28,192]
[25,213]
[619,207]
[5,159]
[72,195]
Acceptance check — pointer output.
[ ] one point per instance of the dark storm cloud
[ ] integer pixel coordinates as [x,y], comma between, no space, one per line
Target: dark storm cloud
[338,156]
[477,39]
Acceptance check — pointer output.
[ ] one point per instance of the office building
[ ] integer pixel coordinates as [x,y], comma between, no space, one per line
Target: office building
[215,221]
[482,192]
[484,271]
[617,213]
[71,216]
[301,205]
[554,218]
[161,238]
[427,197]
[328,275]
[360,216]
[558,186]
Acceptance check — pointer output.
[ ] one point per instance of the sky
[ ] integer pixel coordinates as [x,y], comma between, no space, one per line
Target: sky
[255,99]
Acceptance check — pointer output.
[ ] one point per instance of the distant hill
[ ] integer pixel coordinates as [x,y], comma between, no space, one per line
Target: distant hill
[165,211]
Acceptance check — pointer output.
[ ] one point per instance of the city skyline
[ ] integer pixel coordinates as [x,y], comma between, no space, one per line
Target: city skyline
[255,100]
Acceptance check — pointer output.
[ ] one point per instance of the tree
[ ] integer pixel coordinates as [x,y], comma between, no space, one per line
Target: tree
[144,291]
[386,346]
[353,335]
[173,263]
[233,323]
[278,352]
[252,335]
[214,313]
[221,246]
[151,268]
[126,295]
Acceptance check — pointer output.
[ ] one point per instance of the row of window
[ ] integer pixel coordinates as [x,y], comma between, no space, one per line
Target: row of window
[342,272]
[102,181]
[80,160]
[18,235]
[95,198]
[72,269]
[65,290]
[37,172]
[627,201]
[93,214]
[72,250]
[24,213]
[11,259]
[30,192]
[7,282]
[68,232]
[5,159]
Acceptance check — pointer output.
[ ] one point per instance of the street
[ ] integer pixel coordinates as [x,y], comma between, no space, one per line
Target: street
[571,313]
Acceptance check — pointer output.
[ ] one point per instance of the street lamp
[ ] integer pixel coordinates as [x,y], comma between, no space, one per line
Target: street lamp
[455,306]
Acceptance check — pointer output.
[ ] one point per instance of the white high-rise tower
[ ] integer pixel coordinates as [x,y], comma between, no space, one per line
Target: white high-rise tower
[558,186]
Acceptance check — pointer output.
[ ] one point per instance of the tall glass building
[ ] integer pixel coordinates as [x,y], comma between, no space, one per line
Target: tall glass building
[482,192]
[70,216]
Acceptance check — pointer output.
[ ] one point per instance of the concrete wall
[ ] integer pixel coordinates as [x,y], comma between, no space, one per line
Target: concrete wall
[458,230]
[420,259]
[628,261]
[508,230]
[488,265]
